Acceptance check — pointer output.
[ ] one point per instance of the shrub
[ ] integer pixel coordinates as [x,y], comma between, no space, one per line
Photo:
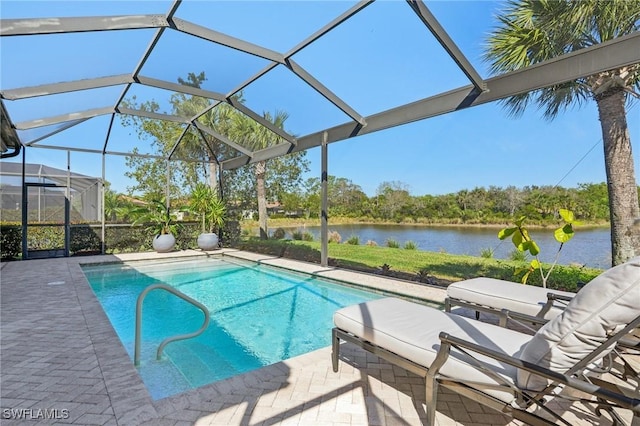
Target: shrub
[296,235]
[354,240]
[188,235]
[410,245]
[392,243]
[307,236]
[372,243]
[334,237]
[486,253]
[279,234]
[85,239]
[10,241]
[424,276]
[385,269]
[518,256]
[522,241]
[230,233]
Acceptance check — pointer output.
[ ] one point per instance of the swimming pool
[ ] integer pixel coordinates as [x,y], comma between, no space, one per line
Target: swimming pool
[259,316]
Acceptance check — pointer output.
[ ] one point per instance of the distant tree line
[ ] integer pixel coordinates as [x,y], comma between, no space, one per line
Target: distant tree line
[393,202]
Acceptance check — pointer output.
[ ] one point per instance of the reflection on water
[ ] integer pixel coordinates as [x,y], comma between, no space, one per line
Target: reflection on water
[589,247]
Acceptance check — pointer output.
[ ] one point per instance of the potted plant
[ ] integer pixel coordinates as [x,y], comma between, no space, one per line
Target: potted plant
[161,222]
[206,203]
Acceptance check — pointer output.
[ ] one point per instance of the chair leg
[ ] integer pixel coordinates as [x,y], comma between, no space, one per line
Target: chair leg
[335,349]
[431,391]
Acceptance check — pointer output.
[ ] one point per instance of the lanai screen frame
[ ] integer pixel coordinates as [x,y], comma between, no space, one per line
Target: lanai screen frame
[622,51]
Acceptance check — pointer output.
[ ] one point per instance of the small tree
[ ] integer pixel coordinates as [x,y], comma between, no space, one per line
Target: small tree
[524,243]
[158,218]
[206,203]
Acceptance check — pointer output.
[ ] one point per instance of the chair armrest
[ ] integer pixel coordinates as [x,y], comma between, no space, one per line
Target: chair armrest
[551,299]
[555,296]
[519,316]
[589,388]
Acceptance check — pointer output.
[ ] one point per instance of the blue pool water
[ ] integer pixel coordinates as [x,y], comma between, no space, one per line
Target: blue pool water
[259,316]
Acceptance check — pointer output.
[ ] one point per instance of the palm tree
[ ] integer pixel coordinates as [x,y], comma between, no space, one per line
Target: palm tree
[531,31]
[255,136]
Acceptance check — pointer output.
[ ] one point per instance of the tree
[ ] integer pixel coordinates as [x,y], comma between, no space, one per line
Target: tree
[593,201]
[253,135]
[225,120]
[532,31]
[392,197]
[345,197]
[311,202]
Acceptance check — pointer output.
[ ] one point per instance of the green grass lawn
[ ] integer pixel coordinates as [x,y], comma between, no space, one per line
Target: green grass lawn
[418,265]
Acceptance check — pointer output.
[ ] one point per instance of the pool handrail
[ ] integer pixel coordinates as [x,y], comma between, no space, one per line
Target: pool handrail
[172,290]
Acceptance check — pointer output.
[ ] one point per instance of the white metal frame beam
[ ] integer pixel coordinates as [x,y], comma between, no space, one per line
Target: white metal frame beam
[612,54]
[41,26]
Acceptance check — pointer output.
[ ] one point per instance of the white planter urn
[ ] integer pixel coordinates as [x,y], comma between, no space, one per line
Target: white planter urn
[208,241]
[164,243]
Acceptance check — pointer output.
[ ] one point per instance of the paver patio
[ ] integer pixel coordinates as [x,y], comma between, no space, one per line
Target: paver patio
[61,358]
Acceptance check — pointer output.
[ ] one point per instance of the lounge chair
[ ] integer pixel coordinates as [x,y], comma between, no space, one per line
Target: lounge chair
[531,307]
[495,296]
[499,367]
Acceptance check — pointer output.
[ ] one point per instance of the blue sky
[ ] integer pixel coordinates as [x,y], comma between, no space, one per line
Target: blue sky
[382,58]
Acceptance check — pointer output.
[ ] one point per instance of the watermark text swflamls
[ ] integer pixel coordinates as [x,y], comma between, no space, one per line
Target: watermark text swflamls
[35,413]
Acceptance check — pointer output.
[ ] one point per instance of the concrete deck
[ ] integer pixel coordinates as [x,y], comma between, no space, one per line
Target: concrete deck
[62,363]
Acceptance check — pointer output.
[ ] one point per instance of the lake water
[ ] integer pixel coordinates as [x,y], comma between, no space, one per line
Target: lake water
[590,247]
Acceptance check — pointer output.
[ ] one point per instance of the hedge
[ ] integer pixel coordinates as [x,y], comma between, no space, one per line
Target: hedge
[86,239]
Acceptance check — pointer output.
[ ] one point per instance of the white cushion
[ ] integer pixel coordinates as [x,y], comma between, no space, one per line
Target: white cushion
[604,306]
[411,330]
[500,294]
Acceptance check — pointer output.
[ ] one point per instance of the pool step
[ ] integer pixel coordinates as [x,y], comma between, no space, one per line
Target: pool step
[199,363]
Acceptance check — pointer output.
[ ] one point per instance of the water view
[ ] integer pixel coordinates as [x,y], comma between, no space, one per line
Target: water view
[589,247]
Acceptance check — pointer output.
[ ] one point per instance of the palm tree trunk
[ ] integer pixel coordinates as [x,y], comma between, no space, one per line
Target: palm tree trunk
[621,183]
[213,176]
[262,199]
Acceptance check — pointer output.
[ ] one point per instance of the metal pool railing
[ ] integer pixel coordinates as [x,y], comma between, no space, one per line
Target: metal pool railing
[160,286]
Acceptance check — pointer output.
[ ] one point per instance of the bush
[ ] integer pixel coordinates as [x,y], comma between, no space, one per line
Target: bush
[307,236]
[230,233]
[410,245]
[279,234]
[424,276]
[354,240]
[518,256]
[10,241]
[334,237]
[392,243]
[297,235]
[127,239]
[486,253]
[281,248]
[85,239]
[187,237]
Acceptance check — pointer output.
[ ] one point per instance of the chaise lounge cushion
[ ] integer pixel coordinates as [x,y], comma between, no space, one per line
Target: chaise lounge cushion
[500,294]
[603,307]
[411,331]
